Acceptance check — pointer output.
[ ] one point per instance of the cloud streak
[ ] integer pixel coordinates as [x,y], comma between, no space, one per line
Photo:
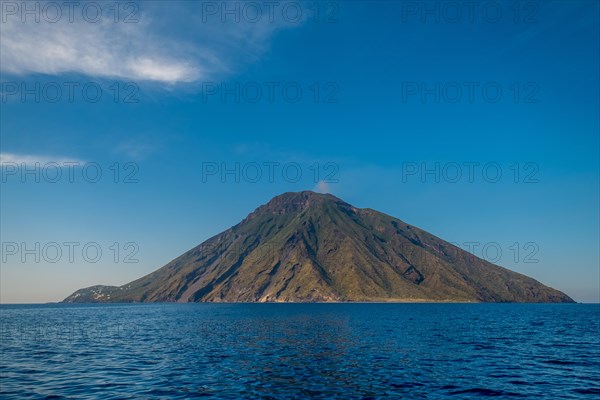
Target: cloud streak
[93,50]
[171,43]
[33,160]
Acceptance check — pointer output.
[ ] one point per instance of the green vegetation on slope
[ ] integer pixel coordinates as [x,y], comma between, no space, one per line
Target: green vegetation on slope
[315,247]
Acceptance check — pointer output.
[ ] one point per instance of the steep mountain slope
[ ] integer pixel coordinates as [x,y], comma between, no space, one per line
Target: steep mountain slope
[315,247]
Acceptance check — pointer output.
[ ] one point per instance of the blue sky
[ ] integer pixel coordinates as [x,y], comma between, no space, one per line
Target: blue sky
[499,103]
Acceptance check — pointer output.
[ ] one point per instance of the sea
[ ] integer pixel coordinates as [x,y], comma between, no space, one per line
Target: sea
[300,351]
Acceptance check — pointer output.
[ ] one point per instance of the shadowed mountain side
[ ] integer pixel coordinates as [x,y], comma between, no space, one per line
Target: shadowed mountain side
[307,247]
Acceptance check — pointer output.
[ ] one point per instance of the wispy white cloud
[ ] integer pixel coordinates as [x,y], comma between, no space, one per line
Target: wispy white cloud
[171,43]
[135,150]
[36,159]
[322,187]
[93,50]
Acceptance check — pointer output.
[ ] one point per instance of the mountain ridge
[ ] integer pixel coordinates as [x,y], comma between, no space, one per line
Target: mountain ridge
[310,247]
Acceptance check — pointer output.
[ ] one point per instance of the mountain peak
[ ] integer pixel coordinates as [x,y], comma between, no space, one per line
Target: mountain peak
[298,201]
[305,194]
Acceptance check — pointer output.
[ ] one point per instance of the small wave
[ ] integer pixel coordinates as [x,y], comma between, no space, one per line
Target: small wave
[587,391]
[559,362]
[406,385]
[485,392]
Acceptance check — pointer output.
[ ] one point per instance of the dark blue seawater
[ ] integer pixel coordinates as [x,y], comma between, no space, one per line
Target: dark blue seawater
[285,351]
